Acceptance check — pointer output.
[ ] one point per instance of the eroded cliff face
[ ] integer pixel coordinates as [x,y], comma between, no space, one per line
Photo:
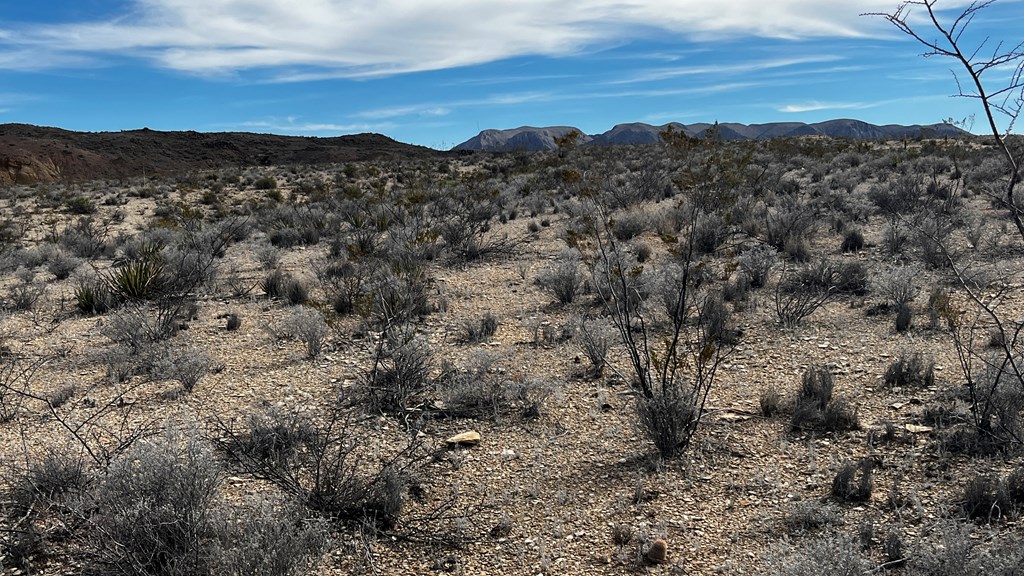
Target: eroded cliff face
[27,170]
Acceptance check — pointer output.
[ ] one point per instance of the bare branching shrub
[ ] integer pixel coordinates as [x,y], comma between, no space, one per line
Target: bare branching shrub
[673,373]
[839,277]
[55,477]
[23,296]
[931,236]
[86,238]
[562,279]
[667,419]
[61,265]
[343,281]
[808,515]
[268,256]
[708,233]
[135,327]
[796,298]
[629,225]
[945,553]
[43,503]
[272,435]
[319,464]
[397,297]
[893,238]
[789,223]
[280,284]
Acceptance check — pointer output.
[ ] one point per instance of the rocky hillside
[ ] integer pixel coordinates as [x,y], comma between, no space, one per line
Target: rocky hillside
[529,138]
[30,154]
[522,138]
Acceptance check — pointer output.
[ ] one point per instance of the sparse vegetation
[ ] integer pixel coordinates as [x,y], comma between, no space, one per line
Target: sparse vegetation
[430,353]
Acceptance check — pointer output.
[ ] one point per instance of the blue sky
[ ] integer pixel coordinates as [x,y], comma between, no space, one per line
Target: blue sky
[435,72]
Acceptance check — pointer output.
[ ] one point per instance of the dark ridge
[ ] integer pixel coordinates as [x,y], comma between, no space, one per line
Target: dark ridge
[30,154]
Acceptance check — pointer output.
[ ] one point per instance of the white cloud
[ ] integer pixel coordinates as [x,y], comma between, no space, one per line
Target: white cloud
[814,106]
[354,38]
[24,59]
[291,125]
[738,68]
[399,111]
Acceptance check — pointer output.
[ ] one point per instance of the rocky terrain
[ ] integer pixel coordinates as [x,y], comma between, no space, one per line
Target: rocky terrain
[30,154]
[796,356]
[536,139]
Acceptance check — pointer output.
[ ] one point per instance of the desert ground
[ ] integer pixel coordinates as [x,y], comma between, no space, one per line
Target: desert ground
[707,357]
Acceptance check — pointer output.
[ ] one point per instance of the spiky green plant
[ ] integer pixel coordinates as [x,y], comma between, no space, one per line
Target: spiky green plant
[137,280]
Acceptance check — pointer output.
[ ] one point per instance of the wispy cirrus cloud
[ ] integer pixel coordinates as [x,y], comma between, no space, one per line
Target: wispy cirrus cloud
[814,106]
[725,69]
[357,38]
[400,111]
[293,125]
[542,97]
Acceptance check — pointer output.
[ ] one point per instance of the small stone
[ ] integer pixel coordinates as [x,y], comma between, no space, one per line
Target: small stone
[468,438]
[658,552]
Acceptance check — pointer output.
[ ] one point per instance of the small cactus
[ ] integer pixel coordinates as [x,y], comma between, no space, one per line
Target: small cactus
[658,552]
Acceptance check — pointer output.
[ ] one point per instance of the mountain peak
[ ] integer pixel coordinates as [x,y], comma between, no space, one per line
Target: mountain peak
[529,138]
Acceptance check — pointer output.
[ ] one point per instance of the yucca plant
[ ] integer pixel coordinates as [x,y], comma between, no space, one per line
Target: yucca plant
[136,280]
[93,297]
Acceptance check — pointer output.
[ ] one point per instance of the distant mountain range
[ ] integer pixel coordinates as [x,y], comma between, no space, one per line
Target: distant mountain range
[31,154]
[529,138]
